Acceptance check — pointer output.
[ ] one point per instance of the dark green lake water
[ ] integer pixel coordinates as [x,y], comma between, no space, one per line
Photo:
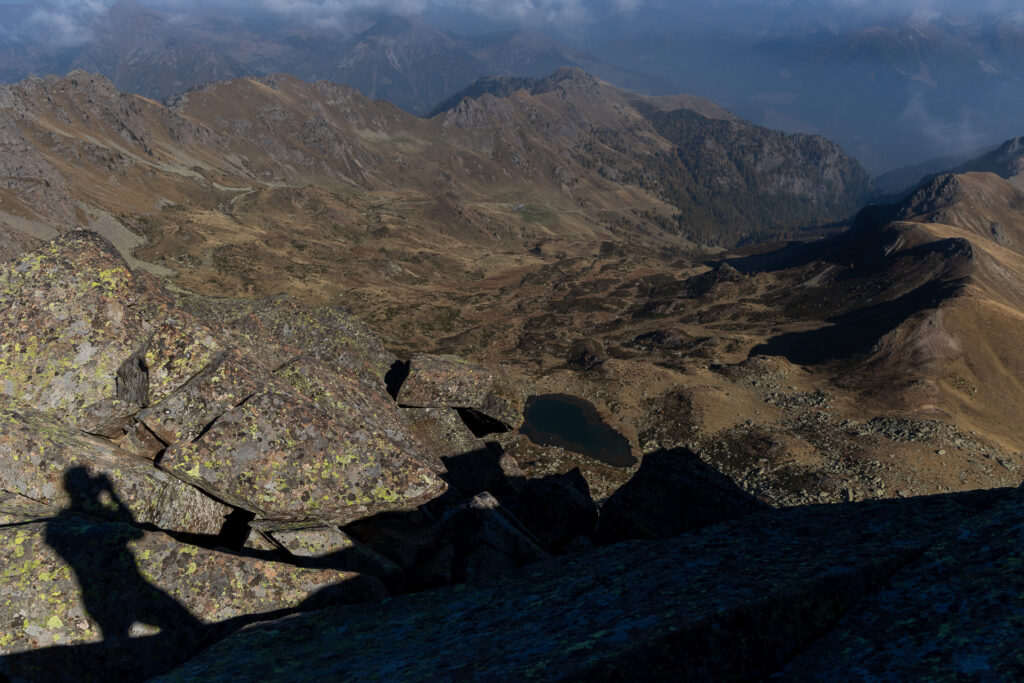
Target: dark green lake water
[574,424]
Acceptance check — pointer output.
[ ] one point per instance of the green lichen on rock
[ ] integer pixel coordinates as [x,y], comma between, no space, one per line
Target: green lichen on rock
[74,312]
[227,381]
[279,455]
[275,330]
[75,580]
[37,454]
[437,381]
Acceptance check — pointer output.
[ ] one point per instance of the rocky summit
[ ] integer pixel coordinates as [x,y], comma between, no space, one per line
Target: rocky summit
[195,488]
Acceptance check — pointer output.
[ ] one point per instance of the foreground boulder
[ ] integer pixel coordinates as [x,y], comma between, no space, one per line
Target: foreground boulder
[281,457]
[73,580]
[87,342]
[734,601]
[276,330]
[955,614]
[57,466]
[673,492]
[78,328]
[453,382]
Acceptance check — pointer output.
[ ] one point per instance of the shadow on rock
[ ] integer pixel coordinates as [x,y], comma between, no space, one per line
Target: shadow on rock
[115,593]
[673,492]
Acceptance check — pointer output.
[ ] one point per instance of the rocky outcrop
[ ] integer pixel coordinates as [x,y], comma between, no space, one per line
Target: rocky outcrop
[75,314]
[89,342]
[733,601]
[52,464]
[453,382]
[955,614]
[71,581]
[280,456]
[122,417]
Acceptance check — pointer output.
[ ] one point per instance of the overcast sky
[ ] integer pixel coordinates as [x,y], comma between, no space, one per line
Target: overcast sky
[66,21]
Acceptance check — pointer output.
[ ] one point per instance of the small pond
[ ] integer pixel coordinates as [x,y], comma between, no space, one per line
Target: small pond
[575,425]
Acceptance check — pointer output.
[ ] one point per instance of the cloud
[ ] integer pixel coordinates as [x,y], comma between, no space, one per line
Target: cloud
[961,133]
[330,12]
[64,23]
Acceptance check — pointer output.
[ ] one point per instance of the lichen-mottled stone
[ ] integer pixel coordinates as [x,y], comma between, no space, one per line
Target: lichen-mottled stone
[352,403]
[329,546]
[37,455]
[73,313]
[76,580]
[312,541]
[228,380]
[729,602]
[15,508]
[450,381]
[955,614]
[442,432]
[279,455]
[275,330]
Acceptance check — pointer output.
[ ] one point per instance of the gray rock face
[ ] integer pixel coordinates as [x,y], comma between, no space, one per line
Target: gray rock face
[75,581]
[453,382]
[74,314]
[729,602]
[955,614]
[280,456]
[39,459]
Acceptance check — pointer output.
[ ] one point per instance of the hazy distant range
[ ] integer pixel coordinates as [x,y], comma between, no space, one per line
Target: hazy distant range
[893,89]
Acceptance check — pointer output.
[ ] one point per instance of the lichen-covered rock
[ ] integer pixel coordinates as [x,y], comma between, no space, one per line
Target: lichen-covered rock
[955,614]
[275,330]
[227,381]
[673,492]
[282,457]
[107,417]
[315,541]
[329,546]
[730,602]
[442,432]
[453,382]
[74,313]
[73,580]
[354,404]
[15,508]
[50,463]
